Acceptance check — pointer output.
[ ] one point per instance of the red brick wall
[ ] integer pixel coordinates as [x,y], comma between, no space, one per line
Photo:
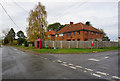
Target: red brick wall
[82,36]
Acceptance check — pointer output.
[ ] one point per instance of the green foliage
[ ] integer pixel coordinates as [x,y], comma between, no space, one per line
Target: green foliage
[56,26]
[26,44]
[6,41]
[88,23]
[31,43]
[10,36]
[70,50]
[105,37]
[20,41]
[20,34]
[37,23]
[15,42]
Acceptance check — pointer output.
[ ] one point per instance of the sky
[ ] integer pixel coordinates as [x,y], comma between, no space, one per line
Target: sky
[101,13]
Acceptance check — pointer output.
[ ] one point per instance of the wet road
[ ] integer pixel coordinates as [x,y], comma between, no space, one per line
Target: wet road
[20,65]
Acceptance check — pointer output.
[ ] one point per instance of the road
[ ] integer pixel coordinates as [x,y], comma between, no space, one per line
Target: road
[21,65]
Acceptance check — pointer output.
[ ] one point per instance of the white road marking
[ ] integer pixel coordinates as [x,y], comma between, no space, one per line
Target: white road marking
[70,64]
[79,66]
[116,77]
[85,71]
[106,57]
[59,61]
[72,67]
[102,73]
[64,62]
[96,75]
[65,65]
[45,58]
[88,69]
[94,59]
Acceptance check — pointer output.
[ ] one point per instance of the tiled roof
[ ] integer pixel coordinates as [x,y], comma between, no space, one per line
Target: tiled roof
[76,27]
[51,32]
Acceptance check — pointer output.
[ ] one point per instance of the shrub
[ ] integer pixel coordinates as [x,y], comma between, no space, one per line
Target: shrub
[31,43]
[26,44]
[21,41]
[15,42]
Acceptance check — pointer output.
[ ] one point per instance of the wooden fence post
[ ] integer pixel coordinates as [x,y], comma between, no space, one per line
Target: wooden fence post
[61,44]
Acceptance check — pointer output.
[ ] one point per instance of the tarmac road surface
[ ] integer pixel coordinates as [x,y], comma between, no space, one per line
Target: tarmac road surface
[21,65]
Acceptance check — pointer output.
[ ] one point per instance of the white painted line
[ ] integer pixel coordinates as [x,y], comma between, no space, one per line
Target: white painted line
[64,62]
[94,59]
[79,66]
[96,75]
[72,67]
[70,64]
[53,61]
[45,58]
[65,65]
[85,71]
[116,77]
[88,69]
[59,61]
[102,73]
[106,57]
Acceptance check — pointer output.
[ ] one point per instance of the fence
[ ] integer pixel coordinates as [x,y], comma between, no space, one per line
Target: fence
[79,44]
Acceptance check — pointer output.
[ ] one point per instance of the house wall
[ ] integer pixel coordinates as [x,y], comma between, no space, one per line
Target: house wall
[82,36]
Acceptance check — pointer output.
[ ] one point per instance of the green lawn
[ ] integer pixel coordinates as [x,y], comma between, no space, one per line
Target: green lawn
[70,50]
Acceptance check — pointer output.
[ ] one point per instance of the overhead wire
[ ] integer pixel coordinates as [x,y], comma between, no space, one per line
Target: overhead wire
[9,15]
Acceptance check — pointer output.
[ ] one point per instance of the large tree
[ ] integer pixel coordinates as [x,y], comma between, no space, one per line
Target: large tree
[56,26]
[88,23]
[11,35]
[37,23]
[105,37]
[20,34]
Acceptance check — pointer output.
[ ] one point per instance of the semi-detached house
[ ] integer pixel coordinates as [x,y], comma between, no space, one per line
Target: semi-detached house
[77,32]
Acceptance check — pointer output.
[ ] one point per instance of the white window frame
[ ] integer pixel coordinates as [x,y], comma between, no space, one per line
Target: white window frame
[55,35]
[60,35]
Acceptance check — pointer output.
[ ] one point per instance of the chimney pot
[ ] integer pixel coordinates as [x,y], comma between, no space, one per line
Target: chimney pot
[71,23]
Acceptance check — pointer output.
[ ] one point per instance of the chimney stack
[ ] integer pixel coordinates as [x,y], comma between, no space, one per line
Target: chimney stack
[71,23]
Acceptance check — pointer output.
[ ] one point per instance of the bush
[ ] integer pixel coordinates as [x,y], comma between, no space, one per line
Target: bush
[15,42]
[21,41]
[31,43]
[6,41]
[26,44]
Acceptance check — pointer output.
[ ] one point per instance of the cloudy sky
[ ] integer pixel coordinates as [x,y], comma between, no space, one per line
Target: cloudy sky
[101,13]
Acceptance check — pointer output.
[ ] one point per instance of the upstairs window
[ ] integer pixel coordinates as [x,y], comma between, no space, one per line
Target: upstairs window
[97,34]
[78,32]
[60,35]
[56,35]
[68,33]
[74,33]
[85,32]
[92,33]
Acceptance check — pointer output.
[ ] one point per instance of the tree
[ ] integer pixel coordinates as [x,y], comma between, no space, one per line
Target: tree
[56,26]
[105,37]
[88,23]
[11,35]
[5,32]
[37,23]
[20,34]
[6,41]
[20,41]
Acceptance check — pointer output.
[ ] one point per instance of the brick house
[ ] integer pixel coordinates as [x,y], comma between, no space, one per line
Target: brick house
[77,32]
[51,35]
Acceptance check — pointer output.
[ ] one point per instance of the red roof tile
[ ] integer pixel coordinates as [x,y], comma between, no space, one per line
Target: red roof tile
[77,27]
[51,32]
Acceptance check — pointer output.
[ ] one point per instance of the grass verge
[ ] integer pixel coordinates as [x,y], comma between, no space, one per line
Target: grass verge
[69,50]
